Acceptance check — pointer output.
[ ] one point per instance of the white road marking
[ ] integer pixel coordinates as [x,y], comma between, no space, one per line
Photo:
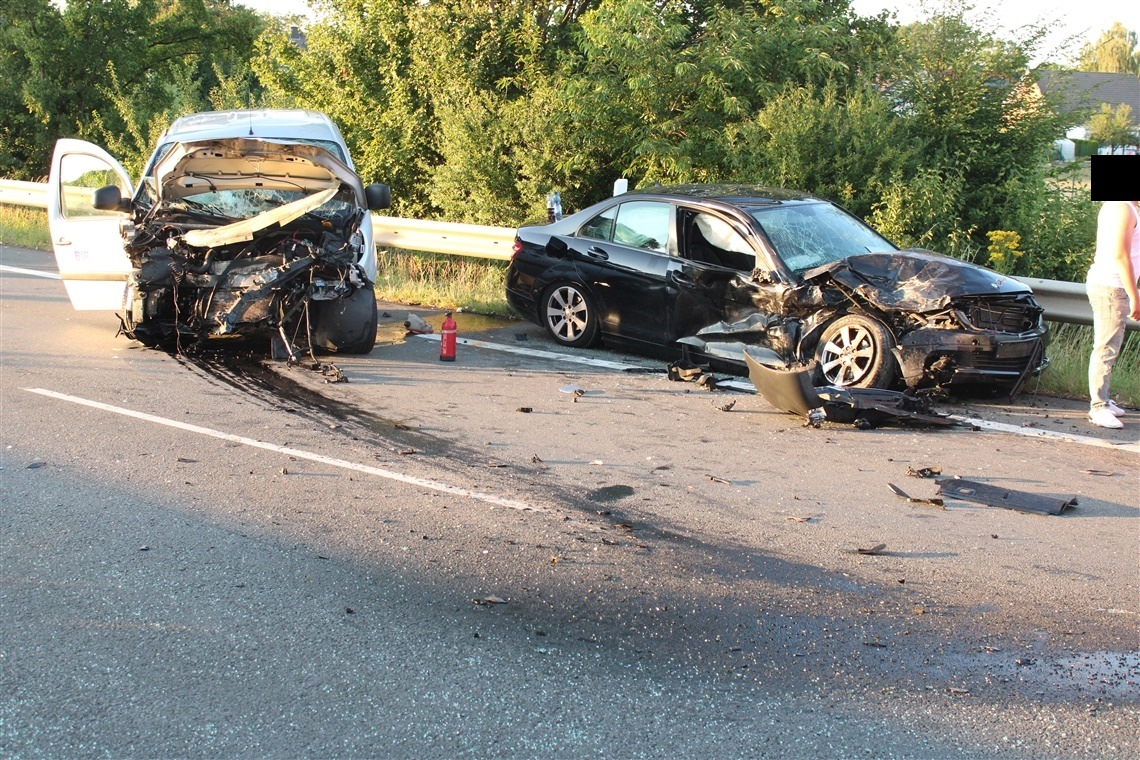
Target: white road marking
[298,453]
[32,272]
[747,387]
[540,354]
[1003,427]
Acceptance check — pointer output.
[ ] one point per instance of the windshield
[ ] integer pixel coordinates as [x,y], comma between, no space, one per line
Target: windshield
[226,206]
[146,194]
[808,235]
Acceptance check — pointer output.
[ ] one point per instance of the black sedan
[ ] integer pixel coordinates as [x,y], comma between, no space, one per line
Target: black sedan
[720,268]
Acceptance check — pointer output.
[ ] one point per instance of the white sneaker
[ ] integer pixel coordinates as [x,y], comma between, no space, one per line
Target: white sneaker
[1103,417]
[1116,410]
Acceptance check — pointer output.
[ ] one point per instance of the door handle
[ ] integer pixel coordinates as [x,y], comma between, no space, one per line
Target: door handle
[63,241]
[594,252]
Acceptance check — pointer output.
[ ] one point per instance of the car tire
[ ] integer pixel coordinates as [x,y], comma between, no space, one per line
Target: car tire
[347,325]
[856,351]
[569,315]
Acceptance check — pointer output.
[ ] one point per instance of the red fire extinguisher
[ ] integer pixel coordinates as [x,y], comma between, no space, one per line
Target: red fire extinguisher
[447,339]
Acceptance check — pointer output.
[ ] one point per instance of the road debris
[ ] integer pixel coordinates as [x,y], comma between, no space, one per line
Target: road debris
[685,371]
[1007,498]
[525,409]
[933,502]
[36,465]
[924,472]
[331,372]
[1101,473]
[726,407]
[416,325]
[797,518]
[872,550]
[489,601]
[715,479]
[789,387]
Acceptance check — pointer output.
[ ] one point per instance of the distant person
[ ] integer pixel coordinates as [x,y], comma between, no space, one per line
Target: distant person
[1114,297]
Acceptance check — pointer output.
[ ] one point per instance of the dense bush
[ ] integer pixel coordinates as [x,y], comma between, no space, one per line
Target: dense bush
[474,111]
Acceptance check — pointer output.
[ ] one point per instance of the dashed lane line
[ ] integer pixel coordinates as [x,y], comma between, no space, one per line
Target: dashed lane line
[293,452]
[32,272]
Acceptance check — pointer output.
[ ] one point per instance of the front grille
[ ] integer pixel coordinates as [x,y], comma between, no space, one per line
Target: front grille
[1002,313]
[1014,364]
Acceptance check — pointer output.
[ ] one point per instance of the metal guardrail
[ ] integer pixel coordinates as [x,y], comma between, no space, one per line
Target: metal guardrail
[443,237]
[1063,301]
[18,193]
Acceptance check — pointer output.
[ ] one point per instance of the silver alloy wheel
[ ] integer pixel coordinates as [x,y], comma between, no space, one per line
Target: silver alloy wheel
[567,313]
[848,356]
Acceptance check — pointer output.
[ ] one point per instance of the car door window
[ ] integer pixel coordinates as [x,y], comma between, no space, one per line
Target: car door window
[601,227]
[80,176]
[643,224]
[712,240]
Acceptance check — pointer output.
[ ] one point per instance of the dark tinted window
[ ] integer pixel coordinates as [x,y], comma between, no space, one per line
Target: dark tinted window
[601,227]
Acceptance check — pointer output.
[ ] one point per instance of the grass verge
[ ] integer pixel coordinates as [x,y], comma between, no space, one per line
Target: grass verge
[1068,372]
[24,227]
[450,282]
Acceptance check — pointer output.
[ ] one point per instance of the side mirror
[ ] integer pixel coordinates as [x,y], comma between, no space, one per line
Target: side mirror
[109,198]
[378,196]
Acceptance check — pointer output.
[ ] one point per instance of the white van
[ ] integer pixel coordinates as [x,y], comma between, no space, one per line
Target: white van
[244,224]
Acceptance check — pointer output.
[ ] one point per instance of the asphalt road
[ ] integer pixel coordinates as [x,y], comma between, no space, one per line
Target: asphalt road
[224,558]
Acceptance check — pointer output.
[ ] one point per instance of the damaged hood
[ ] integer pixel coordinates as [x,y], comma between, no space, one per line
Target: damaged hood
[914,280]
[193,168]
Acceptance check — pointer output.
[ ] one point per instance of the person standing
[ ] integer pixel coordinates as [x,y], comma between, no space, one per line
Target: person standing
[1113,295]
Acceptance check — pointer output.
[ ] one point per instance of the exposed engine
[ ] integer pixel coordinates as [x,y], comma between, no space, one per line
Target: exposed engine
[190,292]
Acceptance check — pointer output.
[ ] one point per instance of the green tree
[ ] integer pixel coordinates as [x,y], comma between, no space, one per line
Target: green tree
[969,103]
[1115,52]
[27,31]
[1112,126]
[64,68]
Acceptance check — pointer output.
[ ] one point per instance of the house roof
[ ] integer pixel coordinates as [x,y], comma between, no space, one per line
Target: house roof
[1085,91]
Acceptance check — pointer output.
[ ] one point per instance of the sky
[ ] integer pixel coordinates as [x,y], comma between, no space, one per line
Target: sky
[1075,22]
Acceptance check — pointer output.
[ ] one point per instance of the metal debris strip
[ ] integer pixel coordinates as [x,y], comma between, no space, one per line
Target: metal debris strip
[934,502]
[1007,498]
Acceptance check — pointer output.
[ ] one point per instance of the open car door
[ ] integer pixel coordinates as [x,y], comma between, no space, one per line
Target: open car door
[88,247]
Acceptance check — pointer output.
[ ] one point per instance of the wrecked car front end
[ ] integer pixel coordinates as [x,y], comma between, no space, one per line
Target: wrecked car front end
[238,238]
[955,323]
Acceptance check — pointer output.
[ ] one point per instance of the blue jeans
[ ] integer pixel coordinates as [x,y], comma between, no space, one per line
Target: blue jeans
[1110,309]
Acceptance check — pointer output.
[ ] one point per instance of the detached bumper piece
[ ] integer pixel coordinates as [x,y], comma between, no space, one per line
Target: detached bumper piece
[993,496]
[791,389]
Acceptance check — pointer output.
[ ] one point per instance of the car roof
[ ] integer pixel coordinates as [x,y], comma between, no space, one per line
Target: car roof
[267,123]
[737,195]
